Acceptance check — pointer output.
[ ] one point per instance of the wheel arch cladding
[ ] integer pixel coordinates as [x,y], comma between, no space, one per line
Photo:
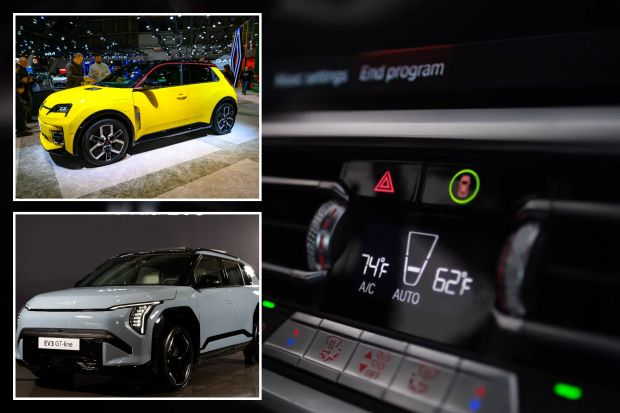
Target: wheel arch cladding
[177,316]
[227,99]
[97,116]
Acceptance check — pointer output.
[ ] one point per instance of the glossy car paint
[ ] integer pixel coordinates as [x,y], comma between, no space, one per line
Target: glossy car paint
[146,110]
[219,311]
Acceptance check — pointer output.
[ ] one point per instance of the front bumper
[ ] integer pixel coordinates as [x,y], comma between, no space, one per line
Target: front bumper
[46,136]
[90,356]
[106,340]
[53,126]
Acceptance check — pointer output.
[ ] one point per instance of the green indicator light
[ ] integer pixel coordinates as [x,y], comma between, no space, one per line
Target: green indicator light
[269,304]
[470,188]
[567,391]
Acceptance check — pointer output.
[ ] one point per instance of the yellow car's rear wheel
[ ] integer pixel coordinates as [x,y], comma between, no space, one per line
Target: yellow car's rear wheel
[223,118]
[105,142]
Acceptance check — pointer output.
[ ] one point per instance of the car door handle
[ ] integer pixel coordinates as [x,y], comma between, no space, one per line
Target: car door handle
[228,301]
[181,96]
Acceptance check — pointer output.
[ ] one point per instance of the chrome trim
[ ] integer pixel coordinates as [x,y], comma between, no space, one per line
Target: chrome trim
[334,187]
[534,125]
[116,307]
[294,273]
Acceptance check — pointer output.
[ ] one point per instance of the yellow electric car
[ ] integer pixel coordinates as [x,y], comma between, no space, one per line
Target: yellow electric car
[149,99]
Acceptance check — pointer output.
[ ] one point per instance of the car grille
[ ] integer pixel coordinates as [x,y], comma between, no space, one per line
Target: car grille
[88,358]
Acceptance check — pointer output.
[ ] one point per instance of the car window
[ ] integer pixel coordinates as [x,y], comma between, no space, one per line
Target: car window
[125,76]
[208,273]
[147,269]
[163,76]
[197,74]
[246,277]
[233,273]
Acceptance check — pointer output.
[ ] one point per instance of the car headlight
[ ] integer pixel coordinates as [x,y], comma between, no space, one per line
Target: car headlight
[138,314]
[20,313]
[61,108]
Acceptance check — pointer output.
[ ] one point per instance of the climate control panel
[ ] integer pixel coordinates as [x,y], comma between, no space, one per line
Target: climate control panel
[403,374]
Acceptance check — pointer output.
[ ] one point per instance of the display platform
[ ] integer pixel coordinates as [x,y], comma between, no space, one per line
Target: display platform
[226,376]
[195,165]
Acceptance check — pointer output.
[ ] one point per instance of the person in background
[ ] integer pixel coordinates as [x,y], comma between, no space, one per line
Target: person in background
[25,81]
[246,79]
[75,71]
[20,109]
[229,75]
[98,70]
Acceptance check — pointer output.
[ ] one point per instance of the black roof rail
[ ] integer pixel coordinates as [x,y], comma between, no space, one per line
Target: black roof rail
[176,249]
[217,251]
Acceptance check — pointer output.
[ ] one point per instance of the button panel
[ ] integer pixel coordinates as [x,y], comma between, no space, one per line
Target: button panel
[406,375]
[420,385]
[371,369]
[292,338]
[331,350]
[461,186]
[398,180]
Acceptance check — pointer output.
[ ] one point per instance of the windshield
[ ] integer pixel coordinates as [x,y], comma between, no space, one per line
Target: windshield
[146,269]
[125,76]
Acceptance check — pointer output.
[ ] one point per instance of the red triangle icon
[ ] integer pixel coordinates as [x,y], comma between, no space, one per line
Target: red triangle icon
[368,355]
[363,366]
[385,183]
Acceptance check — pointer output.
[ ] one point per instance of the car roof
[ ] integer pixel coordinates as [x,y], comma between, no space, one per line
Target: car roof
[182,250]
[154,63]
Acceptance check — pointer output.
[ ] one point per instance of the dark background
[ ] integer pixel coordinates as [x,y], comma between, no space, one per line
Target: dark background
[52,252]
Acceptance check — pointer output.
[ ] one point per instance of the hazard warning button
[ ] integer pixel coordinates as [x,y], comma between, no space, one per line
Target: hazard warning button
[395,180]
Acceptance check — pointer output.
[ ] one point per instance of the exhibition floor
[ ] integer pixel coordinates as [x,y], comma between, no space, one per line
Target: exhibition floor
[195,165]
[220,377]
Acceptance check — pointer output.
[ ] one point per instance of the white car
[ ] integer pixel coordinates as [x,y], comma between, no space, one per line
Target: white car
[157,312]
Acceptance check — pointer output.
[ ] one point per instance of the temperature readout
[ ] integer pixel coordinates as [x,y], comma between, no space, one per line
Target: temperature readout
[419,270]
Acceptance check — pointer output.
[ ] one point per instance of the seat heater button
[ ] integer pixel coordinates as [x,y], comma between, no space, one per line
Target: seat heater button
[419,386]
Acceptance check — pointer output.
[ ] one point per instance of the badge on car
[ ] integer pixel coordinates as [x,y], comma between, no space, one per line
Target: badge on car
[56,343]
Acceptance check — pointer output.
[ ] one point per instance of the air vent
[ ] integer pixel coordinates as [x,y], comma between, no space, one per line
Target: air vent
[561,268]
[292,204]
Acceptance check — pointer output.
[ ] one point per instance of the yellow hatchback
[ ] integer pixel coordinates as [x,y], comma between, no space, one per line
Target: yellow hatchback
[137,101]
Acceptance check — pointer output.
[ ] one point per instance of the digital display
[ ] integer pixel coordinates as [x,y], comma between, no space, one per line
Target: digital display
[430,278]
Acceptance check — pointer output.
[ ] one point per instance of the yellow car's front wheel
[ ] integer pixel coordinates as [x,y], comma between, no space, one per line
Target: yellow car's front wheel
[104,142]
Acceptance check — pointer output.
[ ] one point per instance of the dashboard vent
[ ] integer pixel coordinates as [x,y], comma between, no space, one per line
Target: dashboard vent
[567,274]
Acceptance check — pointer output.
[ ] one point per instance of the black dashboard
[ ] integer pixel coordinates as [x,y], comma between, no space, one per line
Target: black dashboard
[439,227]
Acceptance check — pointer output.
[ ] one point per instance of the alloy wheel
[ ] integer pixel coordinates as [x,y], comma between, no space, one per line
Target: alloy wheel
[107,144]
[225,118]
[178,356]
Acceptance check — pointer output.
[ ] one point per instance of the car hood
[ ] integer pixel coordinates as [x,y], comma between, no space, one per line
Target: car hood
[83,94]
[100,298]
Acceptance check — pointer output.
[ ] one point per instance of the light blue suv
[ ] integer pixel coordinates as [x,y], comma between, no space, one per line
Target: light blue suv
[156,312]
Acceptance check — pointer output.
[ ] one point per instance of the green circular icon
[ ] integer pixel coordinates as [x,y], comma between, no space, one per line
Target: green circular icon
[471,193]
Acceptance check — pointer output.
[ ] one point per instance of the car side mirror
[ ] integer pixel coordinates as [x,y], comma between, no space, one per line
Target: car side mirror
[214,283]
[210,282]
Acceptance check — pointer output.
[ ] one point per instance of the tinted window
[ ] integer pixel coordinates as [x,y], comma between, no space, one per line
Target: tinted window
[163,76]
[246,277]
[197,74]
[147,269]
[233,272]
[208,273]
[125,76]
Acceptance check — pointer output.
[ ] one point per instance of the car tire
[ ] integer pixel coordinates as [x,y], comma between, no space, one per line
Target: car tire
[250,352]
[223,118]
[105,142]
[176,357]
